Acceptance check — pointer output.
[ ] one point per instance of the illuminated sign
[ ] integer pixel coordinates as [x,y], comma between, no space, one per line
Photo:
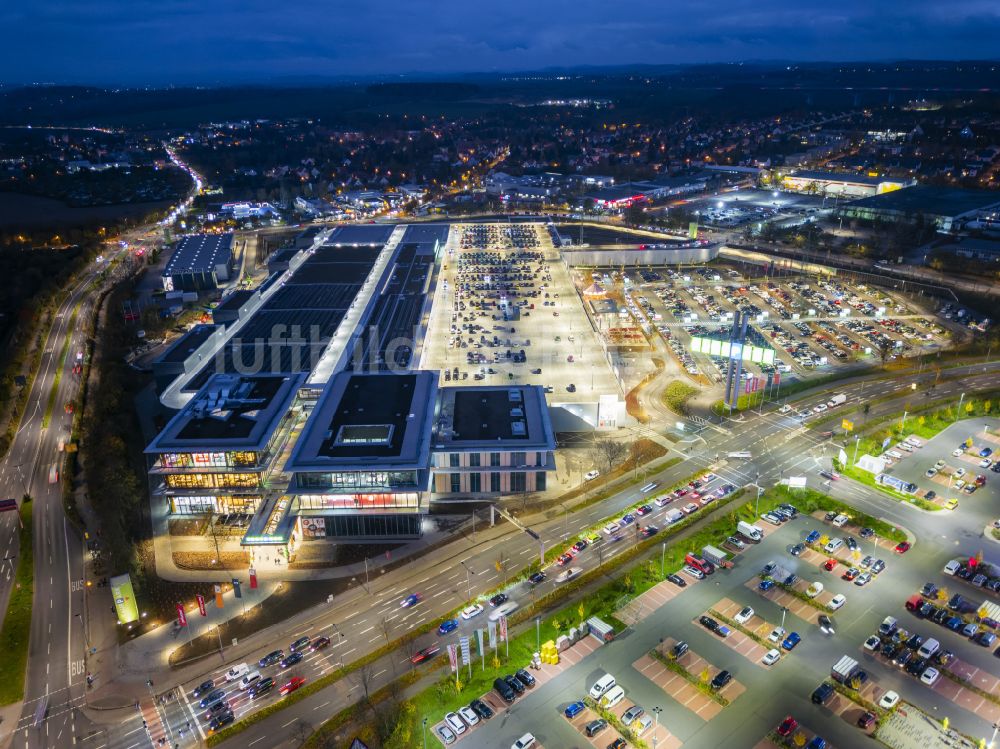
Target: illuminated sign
[726,349]
[124,597]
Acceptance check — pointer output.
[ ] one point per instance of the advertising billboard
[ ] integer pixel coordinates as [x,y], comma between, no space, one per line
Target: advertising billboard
[124,597]
[715,347]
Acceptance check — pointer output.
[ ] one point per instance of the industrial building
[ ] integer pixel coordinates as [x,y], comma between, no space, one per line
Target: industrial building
[821,182]
[199,262]
[948,208]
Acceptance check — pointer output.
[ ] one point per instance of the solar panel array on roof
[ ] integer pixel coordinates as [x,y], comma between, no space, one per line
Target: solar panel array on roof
[291,330]
[199,253]
[397,310]
[377,234]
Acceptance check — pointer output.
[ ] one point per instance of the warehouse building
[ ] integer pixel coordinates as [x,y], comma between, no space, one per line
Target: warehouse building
[948,208]
[199,262]
[821,182]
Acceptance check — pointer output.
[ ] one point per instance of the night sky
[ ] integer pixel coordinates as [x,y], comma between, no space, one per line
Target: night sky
[209,41]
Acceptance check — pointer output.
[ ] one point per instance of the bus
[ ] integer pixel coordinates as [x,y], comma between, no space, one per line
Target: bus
[743,455]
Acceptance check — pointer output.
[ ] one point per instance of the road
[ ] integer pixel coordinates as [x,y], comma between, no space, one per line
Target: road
[781,447]
[56,659]
[55,682]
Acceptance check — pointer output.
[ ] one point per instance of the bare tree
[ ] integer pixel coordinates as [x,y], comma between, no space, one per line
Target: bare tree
[386,628]
[609,452]
[365,677]
[301,731]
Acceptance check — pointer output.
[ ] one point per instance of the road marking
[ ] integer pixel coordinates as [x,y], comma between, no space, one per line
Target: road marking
[69,607]
[320,707]
[260,739]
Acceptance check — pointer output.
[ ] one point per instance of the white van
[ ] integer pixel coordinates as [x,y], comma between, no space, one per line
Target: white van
[833,545]
[237,672]
[894,454]
[249,679]
[952,567]
[602,685]
[613,697]
[840,521]
[929,648]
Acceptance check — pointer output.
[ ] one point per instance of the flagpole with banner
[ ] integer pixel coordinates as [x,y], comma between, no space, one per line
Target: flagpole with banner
[218,596]
[466,659]
[453,660]
[503,634]
[482,651]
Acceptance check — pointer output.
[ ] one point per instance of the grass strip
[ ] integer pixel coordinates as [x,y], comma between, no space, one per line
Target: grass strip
[740,628]
[626,732]
[16,630]
[703,686]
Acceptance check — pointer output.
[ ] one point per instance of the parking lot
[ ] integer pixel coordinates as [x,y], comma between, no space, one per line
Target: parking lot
[667,614]
[814,326]
[954,464]
[500,294]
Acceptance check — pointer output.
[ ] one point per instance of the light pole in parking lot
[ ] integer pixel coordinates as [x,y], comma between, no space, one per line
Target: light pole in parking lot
[425,732]
[656,717]
[663,551]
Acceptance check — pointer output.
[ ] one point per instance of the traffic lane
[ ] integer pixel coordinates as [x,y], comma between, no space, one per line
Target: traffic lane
[456,575]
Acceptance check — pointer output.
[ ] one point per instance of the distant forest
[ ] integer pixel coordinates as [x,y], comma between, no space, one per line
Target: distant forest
[660,91]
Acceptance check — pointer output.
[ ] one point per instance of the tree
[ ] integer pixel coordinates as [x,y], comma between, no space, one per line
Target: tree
[884,350]
[945,723]
[705,676]
[301,731]
[580,611]
[609,452]
[799,739]
[365,677]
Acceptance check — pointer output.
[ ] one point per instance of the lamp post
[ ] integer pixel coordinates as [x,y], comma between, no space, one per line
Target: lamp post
[538,634]
[425,732]
[962,398]
[663,551]
[656,717]
[857,444]
[468,578]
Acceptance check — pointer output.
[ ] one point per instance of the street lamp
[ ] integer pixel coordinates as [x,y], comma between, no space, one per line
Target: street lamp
[656,717]
[663,551]
[468,578]
[425,732]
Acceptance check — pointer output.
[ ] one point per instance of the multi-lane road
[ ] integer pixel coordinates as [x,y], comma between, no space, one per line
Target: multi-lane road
[362,619]
[781,446]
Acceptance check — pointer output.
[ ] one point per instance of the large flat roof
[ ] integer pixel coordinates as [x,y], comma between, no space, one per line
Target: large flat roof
[199,253]
[493,418]
[361,421]
[231,412]
[187,344]
[822,175]
[292,329]
[931,200]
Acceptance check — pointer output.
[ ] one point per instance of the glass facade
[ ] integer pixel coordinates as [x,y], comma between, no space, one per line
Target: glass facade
[357,480]
[224,504]
[213,480]
[359,526]
[238,459]
[358,502]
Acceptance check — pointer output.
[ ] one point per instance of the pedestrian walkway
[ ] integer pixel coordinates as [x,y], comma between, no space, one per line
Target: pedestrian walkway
[646,603]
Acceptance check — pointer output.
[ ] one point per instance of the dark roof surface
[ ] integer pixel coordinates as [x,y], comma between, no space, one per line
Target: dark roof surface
[484,415]
[199,254]
[932,200]
[238,419]
[187,344]
[371,401]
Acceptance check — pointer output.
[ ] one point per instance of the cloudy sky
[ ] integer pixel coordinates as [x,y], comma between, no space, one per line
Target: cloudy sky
[207,41]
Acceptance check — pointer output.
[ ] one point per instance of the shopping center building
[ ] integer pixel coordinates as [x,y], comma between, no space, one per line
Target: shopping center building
[298,415]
